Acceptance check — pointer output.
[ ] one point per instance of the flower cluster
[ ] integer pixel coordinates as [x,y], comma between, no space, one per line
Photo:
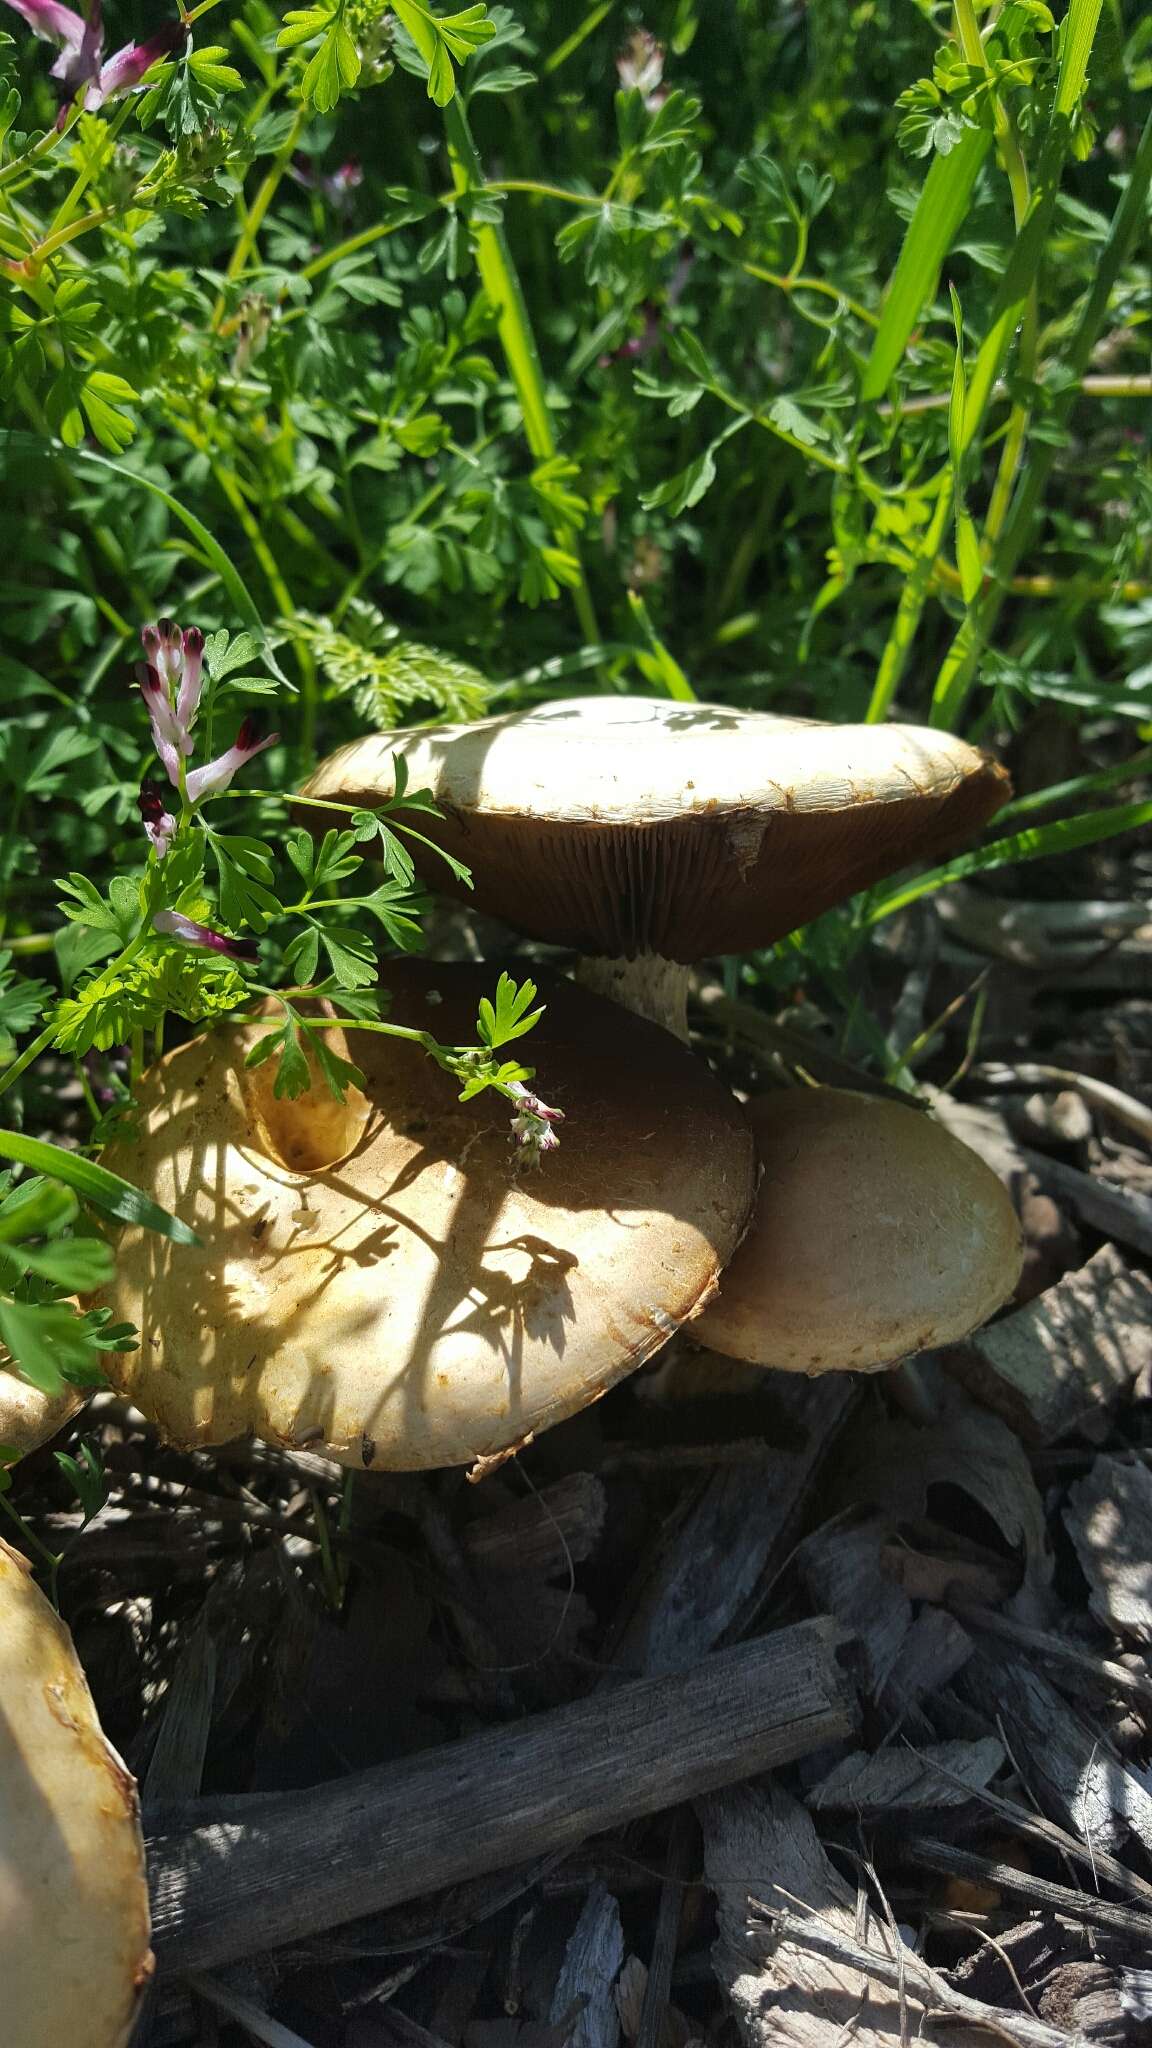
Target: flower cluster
[532,1125]
[640,68]
[81,64]
[171,681]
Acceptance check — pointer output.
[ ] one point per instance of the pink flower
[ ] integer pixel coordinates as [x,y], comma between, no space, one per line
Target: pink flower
[640,68]
[175,925]
[171,682]
[81,61]
[216,775]
[159,824]
[532,1124]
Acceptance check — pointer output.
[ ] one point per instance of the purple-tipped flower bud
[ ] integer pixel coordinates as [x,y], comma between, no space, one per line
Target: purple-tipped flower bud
[216,775]
[159,824]
[175,925]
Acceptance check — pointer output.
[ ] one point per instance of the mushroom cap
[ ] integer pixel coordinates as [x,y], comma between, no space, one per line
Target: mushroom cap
[28,1417]
[418,1301]
[74,1952]
[876,1234]
[628,825]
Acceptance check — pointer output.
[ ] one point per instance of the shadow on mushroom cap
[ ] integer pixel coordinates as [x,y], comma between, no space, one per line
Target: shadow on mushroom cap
[417,1302]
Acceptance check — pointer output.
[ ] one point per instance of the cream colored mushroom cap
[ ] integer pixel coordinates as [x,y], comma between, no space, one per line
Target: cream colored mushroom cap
[28,1418]
[629,825]
[876,1234]
[74,1952]
[420,1302]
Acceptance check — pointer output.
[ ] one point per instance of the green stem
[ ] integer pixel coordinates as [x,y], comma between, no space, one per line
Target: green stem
[910,609]
[30,1053]
[498,276]
[958,669]
[255,220]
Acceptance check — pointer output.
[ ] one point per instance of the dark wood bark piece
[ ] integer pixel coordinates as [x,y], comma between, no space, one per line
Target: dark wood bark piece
[336,1851]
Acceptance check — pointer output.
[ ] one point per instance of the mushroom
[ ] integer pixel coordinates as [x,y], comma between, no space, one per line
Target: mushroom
[379,1282]
[876,1234]
[648,834]
[74,1952]
[29,1417]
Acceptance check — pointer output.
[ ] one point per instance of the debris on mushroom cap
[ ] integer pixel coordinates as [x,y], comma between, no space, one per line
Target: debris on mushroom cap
[74,1953]
[420,1302]
[629,825]
[27,1417]
[876,1234]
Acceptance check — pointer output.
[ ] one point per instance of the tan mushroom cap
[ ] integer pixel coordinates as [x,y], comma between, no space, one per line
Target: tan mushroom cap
[27,1417]
[876,1234]
[420,1302]
[74,1952]
[627,825]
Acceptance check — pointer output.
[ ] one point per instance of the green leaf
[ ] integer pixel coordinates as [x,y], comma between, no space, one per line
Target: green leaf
[340,1074]
[105,1191]
[245,870]
[510,1016]
[1037,842]
[80,1264]
[293,1074]
[940,212]
[88,1477]
[667,670]
[351,954]
[46,1339]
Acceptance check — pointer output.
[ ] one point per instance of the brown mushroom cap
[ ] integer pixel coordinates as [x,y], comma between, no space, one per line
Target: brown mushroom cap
[876,1234]
[28,1418]
[74,1950]
[419,1302]
[626,825]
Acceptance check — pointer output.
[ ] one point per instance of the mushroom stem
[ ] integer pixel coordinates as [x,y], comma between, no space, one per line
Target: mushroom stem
[650,986]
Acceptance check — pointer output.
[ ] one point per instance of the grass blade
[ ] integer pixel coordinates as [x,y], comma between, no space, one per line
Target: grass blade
[940,211]
[1036,842]
[95,1184]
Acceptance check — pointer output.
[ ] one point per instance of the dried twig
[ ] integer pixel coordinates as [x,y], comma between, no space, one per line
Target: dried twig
[951,1861]
[912,1969]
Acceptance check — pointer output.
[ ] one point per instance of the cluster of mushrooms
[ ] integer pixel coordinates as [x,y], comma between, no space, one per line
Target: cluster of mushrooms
[377,1281]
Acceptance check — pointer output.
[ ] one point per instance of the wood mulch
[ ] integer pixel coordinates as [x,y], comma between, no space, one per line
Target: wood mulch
[740,1709]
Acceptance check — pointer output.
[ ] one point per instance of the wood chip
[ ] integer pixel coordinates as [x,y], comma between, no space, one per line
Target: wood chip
[1069,1766]
[1069,1356]
[706,1573]
[761,1846]
[1109,1518]
[841,1571]
[902,1780]
[587,1979]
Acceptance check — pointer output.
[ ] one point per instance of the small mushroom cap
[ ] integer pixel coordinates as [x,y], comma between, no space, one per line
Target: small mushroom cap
[421,1302]
[74,1952]
[876,1234]
[28,1418]
[628,825]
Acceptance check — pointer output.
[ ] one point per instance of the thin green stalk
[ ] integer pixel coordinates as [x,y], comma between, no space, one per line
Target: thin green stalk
[909,611]
[256,212]
[958,669]
[498,276]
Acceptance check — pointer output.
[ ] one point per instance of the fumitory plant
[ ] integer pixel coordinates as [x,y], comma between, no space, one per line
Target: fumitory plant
[185,939]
